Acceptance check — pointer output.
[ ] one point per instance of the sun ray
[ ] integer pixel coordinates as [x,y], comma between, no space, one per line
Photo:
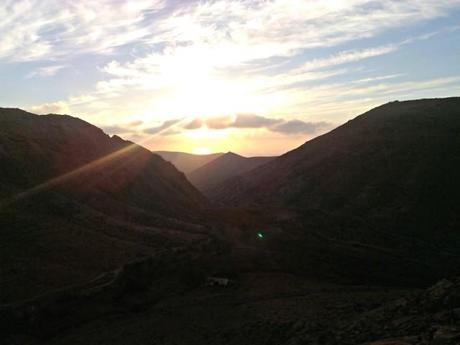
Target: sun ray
[61,179]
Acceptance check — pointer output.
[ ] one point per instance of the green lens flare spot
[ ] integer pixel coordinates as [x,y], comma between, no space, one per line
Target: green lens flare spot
[260,235]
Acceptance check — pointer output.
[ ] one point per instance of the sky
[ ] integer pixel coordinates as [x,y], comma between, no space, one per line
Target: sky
[253,77]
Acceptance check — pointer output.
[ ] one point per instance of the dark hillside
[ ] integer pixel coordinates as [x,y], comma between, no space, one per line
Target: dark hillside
[75,202]
[187,162]
[229,165]
[385,182]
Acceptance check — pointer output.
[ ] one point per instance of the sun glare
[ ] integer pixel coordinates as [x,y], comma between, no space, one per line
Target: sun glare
[201,151]
[206,133]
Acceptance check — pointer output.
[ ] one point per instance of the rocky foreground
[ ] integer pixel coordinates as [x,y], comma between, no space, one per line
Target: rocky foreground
[139,304]
[427,317]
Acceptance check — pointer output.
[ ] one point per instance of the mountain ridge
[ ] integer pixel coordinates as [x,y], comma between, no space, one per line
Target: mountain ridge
[187,162]
[222,168]
[379,191]
[74,145]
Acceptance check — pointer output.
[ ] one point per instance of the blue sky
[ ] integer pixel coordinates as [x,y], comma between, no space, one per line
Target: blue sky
[255,77]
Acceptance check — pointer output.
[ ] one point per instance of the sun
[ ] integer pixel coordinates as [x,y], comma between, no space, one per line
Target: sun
[201,151]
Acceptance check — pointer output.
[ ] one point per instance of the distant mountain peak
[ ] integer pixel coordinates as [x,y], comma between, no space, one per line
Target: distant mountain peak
[231,153]
[222,168]
[187,162]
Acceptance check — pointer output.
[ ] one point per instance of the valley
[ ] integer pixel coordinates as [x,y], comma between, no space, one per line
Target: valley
[335,242]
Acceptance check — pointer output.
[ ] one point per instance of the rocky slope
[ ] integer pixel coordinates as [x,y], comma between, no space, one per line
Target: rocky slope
[165,302]
[431,316]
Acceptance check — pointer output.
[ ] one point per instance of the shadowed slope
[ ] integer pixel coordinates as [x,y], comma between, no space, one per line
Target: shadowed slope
[75,202]
[383,186]
[54,151]
[401,153]
[226,166]
[187,162]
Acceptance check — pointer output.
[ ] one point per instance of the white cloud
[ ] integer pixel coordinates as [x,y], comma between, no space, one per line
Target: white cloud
[300,127]
[127,128]
[164,128]
[348,56]
[60,107]
[254,121]
[379,78]
[165,60]
[230,31]
[44,72]
[56,29]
